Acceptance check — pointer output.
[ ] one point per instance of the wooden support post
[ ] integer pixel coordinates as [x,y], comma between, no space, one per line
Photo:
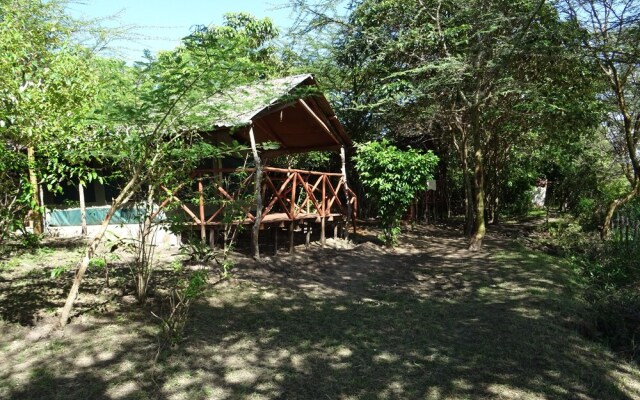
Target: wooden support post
[335,231]
[255,232]
[294,182]
[323,212]
[83,211]
[203,227]
[307,236]
[343,158]
[212,238]
[275,240]
[292,247]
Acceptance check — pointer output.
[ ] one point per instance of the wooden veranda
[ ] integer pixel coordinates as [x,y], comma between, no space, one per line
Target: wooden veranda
[292,113]
[291,198]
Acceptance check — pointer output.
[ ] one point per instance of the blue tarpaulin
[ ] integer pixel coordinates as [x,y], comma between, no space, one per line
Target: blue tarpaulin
[94,216]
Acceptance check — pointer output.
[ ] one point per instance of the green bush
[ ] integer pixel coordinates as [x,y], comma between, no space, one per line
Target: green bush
[392,177]
[610,272]
[586,212]
[613,265]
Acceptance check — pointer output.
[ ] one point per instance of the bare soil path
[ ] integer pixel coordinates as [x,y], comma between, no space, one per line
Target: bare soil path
[428,320]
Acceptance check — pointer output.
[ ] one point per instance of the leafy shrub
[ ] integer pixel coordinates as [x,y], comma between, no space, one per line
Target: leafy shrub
[518,190]
[182,297]
[197,252]
[29,240]
[392,178]
[612,265]
[610,272]
[98,263]
[585,211]
[16,198]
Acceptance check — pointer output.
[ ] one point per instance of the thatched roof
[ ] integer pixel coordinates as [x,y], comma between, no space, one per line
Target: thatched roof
[290,111]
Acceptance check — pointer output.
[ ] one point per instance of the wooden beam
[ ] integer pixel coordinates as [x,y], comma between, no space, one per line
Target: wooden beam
[305,149]
[264,126]
[320,113]
[267,169]
[318,120]
[203,229]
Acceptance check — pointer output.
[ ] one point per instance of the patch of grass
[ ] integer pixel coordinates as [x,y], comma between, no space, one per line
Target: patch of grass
[430,321]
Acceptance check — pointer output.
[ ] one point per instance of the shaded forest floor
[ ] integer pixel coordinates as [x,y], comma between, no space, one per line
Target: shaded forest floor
[353,321]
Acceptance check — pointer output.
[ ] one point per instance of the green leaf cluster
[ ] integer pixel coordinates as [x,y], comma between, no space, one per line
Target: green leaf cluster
[392,177]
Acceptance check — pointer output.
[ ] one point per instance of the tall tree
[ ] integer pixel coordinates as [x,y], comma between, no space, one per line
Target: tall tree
[165,103]
[613,42]
[478,76]
[47,82]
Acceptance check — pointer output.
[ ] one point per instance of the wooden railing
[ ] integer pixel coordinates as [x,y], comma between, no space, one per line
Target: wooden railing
[288,195]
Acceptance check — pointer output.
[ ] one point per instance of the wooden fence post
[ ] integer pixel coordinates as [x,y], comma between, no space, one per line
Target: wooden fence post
[343,157]
[203,228]
[323,218]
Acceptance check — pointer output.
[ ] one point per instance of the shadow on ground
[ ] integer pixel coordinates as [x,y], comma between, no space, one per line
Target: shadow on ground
[428,320]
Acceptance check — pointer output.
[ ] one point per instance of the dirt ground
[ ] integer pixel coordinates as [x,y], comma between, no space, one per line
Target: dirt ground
[427,320]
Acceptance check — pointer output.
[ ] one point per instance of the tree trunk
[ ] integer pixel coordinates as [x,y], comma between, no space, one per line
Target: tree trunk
[145,251]
[463,152]
[468,202]
[122,198]
[36,216]
[479,227]
[83,211]
[343,158]
[255,232]
[613,206]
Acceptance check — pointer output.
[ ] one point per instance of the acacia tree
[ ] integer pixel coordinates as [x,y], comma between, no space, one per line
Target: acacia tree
[165,103]
[477,76]
[613,43]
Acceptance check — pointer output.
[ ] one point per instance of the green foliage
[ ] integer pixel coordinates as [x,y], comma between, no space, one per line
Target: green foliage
[312,161]
[15,192]
[610,273]
[59,271]
[98,263]
[502,78]
[391,178]
[30,241]
[197,252]
[182,297]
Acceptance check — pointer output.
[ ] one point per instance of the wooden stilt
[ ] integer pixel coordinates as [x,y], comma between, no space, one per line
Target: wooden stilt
[292,247]
[307,237]
[275,240]
[335,231]
[203,227]
[212,238]
[324,211]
